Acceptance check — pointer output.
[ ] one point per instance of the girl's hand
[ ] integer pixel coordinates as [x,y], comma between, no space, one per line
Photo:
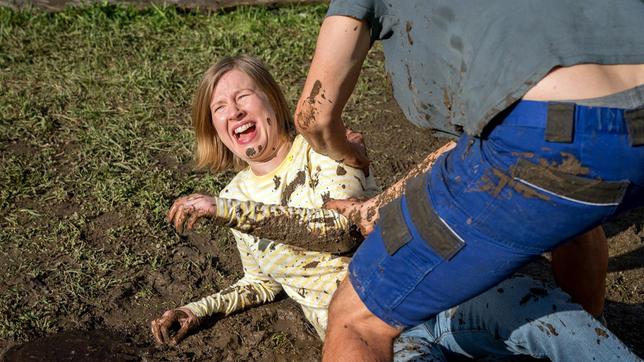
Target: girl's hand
[186,321]
[362,213]
[187,210]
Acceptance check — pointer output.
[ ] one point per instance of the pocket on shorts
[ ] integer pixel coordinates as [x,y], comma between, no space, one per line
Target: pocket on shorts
[405,270]
[534,207]
[592,192]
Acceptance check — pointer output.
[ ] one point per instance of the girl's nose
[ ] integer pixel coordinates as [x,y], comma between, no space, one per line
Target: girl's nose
[236,113]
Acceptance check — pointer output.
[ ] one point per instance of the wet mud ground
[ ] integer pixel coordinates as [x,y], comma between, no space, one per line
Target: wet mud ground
[116,326]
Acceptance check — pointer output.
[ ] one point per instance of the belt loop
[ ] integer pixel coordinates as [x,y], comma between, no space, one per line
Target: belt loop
[560,123]
[635,123]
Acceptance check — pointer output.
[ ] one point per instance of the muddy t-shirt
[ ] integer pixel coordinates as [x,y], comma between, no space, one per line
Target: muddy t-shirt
[455,64]
[304,179]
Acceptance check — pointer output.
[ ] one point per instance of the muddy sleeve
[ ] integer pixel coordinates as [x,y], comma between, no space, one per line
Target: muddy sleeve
[254,288]
[312,229]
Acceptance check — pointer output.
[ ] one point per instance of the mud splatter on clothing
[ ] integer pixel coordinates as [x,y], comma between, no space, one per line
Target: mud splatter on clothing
[298,181]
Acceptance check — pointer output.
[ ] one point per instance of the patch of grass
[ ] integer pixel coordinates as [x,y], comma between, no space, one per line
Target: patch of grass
[281,342]
[96,143]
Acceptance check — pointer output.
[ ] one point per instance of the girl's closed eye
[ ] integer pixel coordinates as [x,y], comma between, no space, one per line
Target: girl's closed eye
[218,108]
[243,96]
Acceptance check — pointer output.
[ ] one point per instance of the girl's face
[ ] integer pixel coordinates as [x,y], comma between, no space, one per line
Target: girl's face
[244,118]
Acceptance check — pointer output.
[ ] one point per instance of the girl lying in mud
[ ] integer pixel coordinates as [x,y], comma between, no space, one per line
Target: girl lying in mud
[274,207]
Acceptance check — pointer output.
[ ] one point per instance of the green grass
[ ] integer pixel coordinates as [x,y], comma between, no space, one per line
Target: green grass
[96,142]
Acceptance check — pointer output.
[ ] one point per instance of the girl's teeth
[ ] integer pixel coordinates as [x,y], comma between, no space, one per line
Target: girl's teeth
[242,128]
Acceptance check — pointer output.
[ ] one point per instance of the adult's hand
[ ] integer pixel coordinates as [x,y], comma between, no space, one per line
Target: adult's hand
[341,48]
[356,141]
[187,210]
[362,213]
[186,321]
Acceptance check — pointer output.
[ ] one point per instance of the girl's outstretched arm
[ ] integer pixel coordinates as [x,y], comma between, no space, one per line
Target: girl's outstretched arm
[310,229]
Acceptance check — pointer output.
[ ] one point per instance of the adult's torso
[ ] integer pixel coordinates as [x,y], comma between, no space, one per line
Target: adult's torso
[456,64]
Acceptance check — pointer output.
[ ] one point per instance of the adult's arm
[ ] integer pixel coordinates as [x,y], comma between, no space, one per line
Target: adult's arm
[365,213]
[341,48]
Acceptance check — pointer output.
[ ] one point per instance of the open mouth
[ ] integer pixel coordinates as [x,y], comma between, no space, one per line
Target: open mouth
[245,133]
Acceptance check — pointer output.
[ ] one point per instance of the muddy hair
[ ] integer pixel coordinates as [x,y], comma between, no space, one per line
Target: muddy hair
[210,152]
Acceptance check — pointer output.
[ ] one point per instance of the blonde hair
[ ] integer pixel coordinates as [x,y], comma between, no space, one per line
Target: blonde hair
[210,151]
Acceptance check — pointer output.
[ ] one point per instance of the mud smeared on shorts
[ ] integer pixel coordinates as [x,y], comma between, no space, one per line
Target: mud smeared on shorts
[487,184]
[569,164]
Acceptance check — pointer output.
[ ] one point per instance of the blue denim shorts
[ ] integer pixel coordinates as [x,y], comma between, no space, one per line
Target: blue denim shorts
[544,173]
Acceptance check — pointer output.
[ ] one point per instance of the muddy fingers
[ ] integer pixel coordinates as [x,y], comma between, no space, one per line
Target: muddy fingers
[185,211]
[162,327]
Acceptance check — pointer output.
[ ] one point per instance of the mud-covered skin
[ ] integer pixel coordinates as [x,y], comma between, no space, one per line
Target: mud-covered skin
[308,112]
[312,229]
[163,327]
[364,213]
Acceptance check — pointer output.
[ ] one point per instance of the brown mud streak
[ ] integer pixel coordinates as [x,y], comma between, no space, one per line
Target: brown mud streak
[371,213]
[299,180]
[508,180]
[340,171]
[250,152]
[408,27]
[294,231]
[391,193]
[552,329]
[600,332]
[569,165]
[314,92]
[277,181]
[308,111]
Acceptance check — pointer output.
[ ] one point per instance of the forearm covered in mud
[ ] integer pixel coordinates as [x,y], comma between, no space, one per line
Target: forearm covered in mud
[311,229]
[240,295]
[398,188]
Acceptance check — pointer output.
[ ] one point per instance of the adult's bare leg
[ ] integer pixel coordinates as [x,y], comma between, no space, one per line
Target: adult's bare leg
[580,267]
[353,332]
